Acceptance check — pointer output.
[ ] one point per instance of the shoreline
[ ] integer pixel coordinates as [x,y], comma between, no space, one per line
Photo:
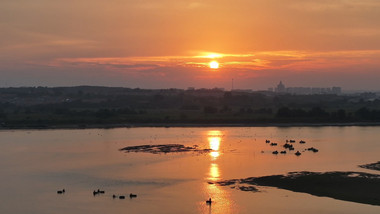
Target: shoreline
[350,186]
[184,125]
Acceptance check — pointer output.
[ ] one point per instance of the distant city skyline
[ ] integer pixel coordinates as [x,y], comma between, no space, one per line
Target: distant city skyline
[179,44]
[305,90]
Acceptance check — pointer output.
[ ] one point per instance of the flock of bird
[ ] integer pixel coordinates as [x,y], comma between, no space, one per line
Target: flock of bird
[289,146]
[98,192]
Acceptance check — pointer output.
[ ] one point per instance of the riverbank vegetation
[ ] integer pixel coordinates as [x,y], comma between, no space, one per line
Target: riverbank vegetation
[86,105]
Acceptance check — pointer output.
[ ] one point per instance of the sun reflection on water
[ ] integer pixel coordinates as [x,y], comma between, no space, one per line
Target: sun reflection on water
[214,172]
[214,143]
[214,154]
[222,202]
[214,139]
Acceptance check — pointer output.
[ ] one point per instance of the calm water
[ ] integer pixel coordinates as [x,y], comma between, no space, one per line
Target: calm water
[35,164]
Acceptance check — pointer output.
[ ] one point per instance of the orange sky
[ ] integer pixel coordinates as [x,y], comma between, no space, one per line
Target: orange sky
[167,43]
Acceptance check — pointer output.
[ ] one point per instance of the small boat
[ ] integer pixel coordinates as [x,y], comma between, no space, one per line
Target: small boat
[95,192]
[312,149]
[61,191]
[283,152]
[298,153]
[132,195]
[275,152]
[121,197]
[208,202]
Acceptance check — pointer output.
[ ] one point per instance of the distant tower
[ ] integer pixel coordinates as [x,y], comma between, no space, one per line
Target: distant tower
[280,88]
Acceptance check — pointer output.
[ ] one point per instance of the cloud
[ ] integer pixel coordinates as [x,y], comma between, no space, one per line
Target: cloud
[249,38]
[333,5]
[269,60]
[249,70]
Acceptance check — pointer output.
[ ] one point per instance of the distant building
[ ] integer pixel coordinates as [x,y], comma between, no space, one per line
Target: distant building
[280,88]
[305,90]
[336,90]
[299,90]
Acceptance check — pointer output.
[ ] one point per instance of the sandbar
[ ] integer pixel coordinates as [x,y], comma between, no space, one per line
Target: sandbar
[164,148]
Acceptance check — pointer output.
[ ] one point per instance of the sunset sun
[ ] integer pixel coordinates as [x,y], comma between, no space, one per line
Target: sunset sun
[214,65]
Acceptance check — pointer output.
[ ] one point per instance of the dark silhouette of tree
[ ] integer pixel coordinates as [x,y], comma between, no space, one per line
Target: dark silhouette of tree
[103,113]
[318,112]
[363,113]
[341,114]
[210,110]
[284,112]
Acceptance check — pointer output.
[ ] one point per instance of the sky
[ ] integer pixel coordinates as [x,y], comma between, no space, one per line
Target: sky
[170,43]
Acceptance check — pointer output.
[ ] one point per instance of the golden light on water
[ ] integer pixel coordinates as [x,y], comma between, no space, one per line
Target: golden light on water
[214,172]
[214,154]
[222,198]
[214,139]
[214,143]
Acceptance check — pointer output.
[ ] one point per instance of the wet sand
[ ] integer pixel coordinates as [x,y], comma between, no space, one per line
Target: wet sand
[348,186]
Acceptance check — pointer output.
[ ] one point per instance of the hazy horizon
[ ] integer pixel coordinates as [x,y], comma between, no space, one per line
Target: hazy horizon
[169,44]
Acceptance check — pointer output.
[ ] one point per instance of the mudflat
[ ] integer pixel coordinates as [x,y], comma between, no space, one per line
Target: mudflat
[164,148]
[348,186]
